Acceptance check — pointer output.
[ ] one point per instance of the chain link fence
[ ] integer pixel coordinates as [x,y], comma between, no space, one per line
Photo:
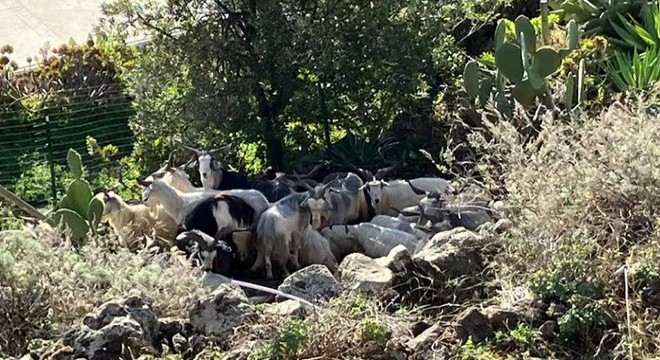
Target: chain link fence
[34,143]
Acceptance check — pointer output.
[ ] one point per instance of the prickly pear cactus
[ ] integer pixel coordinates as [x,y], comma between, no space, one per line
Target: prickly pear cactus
[70,220]
[521,63]
[78,210]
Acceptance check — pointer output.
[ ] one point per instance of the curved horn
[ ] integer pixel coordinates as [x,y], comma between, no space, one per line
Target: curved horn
[196,151]
[380,174]
[303,184]
[415,189]
[324,187]
[220,149]
[170,160]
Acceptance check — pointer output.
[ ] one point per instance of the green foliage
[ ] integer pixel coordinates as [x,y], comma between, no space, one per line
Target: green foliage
[596,15]
[372,330]
[633,34]
[288,343]
[636,71]
[579,322]
[566,278]
[472,351]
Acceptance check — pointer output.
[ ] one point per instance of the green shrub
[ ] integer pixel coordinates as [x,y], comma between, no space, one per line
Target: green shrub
[372,330]
[638,71]
[77,281]
[288,343]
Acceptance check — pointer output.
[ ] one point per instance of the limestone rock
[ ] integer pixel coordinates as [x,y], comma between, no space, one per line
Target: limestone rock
[313,283]
[450,254]
[219,312]
[116,329]
[285,308]
[362,274]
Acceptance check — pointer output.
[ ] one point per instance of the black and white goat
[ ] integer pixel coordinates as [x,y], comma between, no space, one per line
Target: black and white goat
[211,252]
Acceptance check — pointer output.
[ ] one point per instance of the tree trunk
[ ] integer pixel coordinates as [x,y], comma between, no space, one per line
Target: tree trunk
[324,116]
[274,146]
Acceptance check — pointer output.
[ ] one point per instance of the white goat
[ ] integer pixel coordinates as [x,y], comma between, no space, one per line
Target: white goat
[390,197]
[340,241]
[279,233]
[132,221]
[316,250]
[377,241]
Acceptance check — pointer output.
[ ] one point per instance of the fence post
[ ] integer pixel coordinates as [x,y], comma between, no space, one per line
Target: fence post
[51,162]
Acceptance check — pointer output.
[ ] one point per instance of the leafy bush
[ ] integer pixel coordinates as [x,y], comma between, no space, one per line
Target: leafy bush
[289,342]
[61,284]
[582,194]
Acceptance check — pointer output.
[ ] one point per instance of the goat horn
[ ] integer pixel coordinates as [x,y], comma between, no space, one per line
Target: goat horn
[220,149]
[170,160]
[304,184]
[330,183]
[189,148]
[415,189]
[380,174]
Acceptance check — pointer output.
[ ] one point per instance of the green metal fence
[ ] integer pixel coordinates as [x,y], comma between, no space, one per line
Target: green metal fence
[34,144]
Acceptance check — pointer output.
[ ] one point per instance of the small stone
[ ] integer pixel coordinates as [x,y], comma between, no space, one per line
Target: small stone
[285,308]
[501,319]
[221,311]
[473,324]
[313,283]
[424,340]
[549,329]
[361,274]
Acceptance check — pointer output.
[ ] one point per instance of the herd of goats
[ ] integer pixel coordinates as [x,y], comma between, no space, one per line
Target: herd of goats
[234,226]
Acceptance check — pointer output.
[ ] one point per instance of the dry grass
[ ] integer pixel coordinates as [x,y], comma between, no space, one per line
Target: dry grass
[583,194]
[60,285]
[343,328]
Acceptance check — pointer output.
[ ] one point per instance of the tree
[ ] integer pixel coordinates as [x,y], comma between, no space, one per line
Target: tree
[248,70]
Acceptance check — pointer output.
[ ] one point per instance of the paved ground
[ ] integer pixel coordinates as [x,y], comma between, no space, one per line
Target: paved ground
[28,24]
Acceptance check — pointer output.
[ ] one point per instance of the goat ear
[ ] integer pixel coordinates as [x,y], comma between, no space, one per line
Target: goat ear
[363,187]
[216,165]
[144,182]
[304,204]
[384,183]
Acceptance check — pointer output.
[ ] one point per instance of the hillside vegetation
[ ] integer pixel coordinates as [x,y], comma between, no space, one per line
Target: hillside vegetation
[552,119]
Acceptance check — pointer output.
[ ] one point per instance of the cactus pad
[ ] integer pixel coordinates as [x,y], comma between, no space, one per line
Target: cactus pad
[72,221]
[525,93]
[523,25]
[75,163]
[94,212]
[546,61]
[79,194]
[500,33]
[471,79]
[508,59]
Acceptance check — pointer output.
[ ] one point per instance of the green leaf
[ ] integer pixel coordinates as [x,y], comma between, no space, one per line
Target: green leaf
[523,25]
[471,79]
[68,219]
[524,93]
[94,212]
[546,61]
[79,194]
[75,163]
[508,59]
